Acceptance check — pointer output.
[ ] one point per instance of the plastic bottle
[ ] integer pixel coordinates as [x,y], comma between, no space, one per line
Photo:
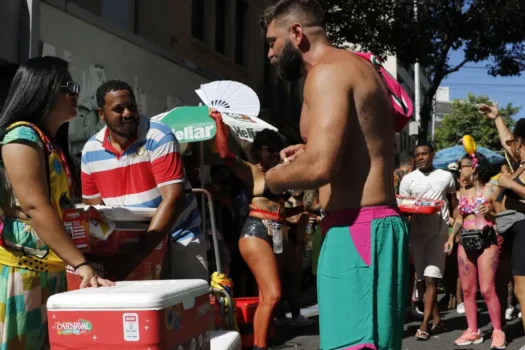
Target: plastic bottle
[277,238]
[308,230]
[479,219]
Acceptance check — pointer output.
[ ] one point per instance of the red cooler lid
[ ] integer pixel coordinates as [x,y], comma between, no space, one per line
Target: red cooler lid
[132,295]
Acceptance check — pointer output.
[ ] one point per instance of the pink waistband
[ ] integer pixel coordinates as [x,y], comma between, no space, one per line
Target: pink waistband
[487,223]
[349,217]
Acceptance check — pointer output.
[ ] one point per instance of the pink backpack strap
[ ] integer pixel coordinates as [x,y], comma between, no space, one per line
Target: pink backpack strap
[401,102]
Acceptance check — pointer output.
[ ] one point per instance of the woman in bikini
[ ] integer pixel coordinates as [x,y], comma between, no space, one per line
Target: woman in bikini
[478,251]
[255,243]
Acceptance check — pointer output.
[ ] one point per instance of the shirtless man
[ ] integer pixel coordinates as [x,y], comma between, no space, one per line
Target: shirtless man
[347,122]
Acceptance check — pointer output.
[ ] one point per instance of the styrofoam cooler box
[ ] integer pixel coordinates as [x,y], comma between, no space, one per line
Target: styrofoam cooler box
[166,314]
[131,224]
[225,340]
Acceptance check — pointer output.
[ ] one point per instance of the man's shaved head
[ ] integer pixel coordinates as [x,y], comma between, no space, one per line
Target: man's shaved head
[307,12]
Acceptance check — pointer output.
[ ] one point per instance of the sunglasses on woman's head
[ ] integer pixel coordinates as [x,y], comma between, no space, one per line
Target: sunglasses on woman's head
[70,88]
[269,149]
[510,142]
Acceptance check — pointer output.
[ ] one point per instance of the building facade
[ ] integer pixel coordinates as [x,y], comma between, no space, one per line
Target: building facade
[405,75]
[165,49]
[442,107]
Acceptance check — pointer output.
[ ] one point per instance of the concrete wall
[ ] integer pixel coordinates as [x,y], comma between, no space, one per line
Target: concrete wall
[96,55]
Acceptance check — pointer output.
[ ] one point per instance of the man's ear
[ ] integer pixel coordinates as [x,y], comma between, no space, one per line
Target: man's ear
[297,32]
[100,114]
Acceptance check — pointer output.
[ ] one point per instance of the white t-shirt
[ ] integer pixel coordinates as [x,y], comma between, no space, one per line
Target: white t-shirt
[434,185]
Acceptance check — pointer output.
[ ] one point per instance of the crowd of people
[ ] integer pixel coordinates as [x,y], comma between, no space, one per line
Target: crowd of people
[474,243]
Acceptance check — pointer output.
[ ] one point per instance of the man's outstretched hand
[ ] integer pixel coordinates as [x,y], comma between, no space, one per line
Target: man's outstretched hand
[291,152]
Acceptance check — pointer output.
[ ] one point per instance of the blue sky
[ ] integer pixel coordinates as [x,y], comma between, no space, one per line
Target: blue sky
[473,78]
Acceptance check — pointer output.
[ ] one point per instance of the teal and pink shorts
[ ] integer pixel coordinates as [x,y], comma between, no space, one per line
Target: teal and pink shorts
[362,279]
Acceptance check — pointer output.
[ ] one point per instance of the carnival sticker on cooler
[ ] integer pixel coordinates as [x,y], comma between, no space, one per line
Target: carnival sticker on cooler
[77,327]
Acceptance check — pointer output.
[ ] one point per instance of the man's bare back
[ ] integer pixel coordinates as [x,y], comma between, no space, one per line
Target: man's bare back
[364,178]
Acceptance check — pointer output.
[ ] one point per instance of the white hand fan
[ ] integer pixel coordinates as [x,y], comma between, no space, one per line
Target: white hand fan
[230,97]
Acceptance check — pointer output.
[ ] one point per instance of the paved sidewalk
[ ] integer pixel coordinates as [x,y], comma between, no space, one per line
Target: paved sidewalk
[308,338]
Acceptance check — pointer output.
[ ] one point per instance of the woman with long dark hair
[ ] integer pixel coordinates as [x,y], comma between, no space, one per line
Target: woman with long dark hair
[478,252]
[35,246]
[255,243]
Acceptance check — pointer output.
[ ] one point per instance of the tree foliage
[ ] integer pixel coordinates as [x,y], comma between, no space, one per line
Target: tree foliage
[492,30]
[465,119]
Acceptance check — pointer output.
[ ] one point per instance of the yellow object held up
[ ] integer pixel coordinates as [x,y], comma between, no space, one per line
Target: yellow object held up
[469,144]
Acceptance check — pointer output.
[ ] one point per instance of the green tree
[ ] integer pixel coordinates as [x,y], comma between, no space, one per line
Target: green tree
[465,119]
[492,30]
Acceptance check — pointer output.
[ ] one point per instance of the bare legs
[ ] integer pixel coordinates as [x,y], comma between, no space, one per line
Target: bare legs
[262,262]
[485,265]
[431,308]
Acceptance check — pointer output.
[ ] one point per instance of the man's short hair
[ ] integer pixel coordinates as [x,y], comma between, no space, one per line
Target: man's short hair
[425,144]
[405,158]
[112,85]
[309,10]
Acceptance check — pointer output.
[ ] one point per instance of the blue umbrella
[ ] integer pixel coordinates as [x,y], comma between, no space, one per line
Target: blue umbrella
[453,154]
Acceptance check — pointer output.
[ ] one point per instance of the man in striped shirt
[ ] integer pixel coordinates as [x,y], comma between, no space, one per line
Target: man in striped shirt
[136,162]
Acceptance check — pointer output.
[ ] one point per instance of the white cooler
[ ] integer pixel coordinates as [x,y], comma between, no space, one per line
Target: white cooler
[172,314]
[225,340]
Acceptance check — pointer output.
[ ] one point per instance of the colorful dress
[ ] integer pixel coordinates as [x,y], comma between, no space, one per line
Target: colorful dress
[30,272]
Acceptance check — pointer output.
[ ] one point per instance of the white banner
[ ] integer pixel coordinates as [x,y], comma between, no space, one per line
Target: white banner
[244,127]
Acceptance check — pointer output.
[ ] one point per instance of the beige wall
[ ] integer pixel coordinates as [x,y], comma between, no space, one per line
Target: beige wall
[164,27]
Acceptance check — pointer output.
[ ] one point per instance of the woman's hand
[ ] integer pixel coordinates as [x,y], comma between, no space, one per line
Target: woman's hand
[485,208]
[449,245]
[215,114]
[91,279]
[15,213]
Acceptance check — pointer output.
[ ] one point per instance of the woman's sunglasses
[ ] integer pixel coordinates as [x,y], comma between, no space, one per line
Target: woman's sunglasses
[70,88]
[270,149]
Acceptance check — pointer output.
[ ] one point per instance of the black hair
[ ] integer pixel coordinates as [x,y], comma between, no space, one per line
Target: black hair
[485,170]
[519,129]
[32,95]
[267,138]
[112,85]
[33,91]
[425,144]
[310,10]
[405,158]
